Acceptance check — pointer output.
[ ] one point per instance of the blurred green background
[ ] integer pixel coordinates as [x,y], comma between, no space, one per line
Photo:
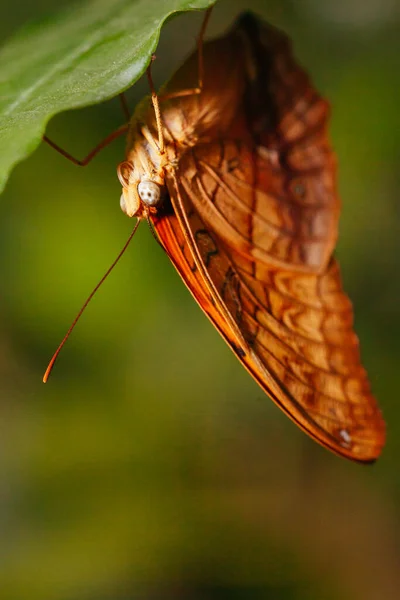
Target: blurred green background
[151,466]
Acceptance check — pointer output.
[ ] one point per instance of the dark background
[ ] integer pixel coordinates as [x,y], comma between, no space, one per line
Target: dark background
[151,465]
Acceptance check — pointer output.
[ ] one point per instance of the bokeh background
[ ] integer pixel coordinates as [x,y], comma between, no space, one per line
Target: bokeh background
[151,466]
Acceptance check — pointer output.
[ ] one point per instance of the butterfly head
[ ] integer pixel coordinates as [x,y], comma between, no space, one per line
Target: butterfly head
[141,195]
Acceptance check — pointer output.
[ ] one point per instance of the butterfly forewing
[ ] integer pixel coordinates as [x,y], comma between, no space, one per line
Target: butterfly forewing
[293,332]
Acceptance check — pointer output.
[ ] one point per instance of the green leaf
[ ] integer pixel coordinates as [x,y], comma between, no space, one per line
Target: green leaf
[80,57]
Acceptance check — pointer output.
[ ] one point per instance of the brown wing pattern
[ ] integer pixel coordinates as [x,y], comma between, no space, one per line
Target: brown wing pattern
[292,331]
[288,121]
[243,193]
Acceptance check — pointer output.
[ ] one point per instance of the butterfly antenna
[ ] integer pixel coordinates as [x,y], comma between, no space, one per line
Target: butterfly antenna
[57,352]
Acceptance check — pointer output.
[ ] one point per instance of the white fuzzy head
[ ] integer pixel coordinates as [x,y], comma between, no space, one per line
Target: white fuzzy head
[149,192]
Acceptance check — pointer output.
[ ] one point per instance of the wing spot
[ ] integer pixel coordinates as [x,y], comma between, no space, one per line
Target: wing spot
[207,246]
[298,189]
[345,438]
[231,284]
[232,164]
[237,349]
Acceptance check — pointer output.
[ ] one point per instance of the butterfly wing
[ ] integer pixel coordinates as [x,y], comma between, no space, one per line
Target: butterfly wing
[293,331]
[258,206]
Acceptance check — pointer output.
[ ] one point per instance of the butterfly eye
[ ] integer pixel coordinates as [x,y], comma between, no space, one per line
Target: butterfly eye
[149,192]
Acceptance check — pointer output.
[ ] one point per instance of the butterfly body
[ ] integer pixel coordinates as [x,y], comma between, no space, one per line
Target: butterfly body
[248,213]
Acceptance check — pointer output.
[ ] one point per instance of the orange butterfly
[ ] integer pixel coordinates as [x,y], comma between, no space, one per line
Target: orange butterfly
[238,180]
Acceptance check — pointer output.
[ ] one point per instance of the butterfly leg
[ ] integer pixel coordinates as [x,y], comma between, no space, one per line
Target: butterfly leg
[124,106]
[85,161]
[200,41]
[110,138]
[188,92]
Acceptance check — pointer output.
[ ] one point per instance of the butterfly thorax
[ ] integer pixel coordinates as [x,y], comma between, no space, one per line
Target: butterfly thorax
[186,122]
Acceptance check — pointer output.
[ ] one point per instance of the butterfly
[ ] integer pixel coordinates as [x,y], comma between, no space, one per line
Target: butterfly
[237,180]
